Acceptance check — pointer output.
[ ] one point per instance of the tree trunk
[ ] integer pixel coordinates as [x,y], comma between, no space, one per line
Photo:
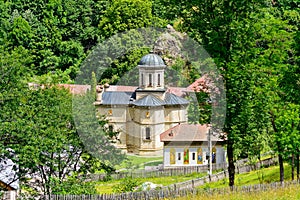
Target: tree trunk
[231,167]
[279,148]
[293,166]
[297,163]
[281,173]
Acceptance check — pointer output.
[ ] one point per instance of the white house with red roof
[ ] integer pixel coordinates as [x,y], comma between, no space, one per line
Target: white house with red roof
[187,145]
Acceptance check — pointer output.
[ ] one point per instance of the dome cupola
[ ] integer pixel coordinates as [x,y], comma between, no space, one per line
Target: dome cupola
[151,72]
[152,60]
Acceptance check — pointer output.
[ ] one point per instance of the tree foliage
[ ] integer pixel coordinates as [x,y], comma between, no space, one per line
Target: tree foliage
[252,43]
[255,45]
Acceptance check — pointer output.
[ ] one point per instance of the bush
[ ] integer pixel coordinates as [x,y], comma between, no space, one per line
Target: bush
[126,185]
[73,185]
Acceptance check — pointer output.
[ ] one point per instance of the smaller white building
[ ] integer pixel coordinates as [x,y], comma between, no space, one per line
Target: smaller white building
[187,145]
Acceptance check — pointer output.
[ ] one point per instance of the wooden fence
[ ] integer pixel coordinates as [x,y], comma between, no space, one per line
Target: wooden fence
[179,189]
[9,195]
[246,167]
[241,167]
[183,188]
[173,193]
[157,173]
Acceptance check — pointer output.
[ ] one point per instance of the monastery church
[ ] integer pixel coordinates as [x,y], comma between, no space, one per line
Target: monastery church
[152,120]
[142,114]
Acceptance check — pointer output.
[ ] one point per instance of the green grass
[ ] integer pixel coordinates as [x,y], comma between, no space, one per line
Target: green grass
[153,163]
[137,162]
[107,187]
[265,175]
[289,193]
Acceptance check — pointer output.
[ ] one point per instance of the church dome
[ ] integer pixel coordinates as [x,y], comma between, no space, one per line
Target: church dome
[152,60]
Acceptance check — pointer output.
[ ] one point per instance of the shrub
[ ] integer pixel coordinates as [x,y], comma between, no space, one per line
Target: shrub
[126,185]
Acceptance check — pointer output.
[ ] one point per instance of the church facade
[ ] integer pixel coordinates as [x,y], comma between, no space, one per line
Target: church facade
[142,114]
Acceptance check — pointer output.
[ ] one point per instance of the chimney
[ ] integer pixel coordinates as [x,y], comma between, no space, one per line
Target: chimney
[99,92]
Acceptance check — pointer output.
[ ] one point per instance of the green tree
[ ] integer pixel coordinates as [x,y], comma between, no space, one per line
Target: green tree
[57,34]
[42,137]
[221,27]
[250,43]
[123,15]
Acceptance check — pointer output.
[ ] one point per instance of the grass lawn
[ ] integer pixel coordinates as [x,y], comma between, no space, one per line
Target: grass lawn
[138,162]
[289,193]
[265,175]
[107,187]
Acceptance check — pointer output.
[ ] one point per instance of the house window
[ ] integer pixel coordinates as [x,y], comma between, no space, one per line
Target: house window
[150,79]
[147,133]
[142,79]
[158,79]
[193,156]
[179,156]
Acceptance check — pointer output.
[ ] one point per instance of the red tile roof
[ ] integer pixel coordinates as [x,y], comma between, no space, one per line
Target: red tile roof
[187,133]
[121,88]
[200,85]
[76,89]
[73,88]
[179,91]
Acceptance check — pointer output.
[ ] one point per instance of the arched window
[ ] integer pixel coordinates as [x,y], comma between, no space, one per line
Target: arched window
[158,79]
[147,133]
[150,79]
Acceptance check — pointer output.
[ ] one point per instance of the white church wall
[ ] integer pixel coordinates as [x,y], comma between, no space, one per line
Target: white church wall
[175,114]
[158,129]
[167,114]
[142,115]
[121,128]
[158,116]
[154,141]
[114,114]
[132,137]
